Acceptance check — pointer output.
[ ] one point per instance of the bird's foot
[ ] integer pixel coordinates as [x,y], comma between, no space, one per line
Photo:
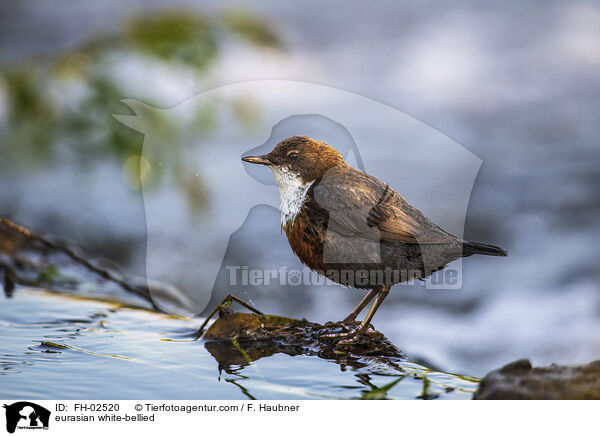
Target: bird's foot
[351,335]
[348,330]
[349,320]
[352,338]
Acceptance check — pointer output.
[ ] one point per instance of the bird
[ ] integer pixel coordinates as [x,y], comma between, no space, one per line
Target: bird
[355,229]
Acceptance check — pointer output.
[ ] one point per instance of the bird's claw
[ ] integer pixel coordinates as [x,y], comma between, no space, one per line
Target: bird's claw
[351,339]
[351,335]
[351,321]
[347,326]
[348,332]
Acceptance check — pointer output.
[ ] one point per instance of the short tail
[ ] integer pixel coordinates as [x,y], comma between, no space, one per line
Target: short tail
[470,248]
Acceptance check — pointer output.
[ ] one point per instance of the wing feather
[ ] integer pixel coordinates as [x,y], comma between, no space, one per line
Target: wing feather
[356,204]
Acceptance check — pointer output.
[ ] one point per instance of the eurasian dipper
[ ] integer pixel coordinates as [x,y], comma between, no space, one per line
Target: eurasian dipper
[353,228]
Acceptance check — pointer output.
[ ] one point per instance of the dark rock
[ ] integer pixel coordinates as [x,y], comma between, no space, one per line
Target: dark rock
[236,340]
[261,335]
[520,381]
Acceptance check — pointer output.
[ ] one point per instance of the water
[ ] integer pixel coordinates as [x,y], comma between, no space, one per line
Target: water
[82,347]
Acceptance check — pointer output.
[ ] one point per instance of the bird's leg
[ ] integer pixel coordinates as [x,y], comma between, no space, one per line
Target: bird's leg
[354,335]
[383,292]
[358,309]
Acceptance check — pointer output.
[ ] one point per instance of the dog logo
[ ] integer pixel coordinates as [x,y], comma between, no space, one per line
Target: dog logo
[26,415]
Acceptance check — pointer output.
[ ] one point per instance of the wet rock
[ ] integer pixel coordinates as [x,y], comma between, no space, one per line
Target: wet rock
[241,338]
[250,328]
[521,381]
[236,340]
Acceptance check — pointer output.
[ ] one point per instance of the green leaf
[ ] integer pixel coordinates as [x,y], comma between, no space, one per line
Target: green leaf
[251,28]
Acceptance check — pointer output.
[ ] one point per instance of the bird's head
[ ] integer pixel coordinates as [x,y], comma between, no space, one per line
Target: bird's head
[301,157]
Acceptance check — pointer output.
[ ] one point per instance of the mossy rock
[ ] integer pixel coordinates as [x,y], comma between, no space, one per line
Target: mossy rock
[249,326]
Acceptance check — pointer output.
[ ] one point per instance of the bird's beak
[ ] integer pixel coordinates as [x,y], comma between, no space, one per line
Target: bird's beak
[262,160]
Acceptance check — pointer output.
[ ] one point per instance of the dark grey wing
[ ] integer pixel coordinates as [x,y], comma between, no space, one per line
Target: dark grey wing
[356,204]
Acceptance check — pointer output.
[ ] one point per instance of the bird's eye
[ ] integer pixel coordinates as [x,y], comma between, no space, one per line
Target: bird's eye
[292,154]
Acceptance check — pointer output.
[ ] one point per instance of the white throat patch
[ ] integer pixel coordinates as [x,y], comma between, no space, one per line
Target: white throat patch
[292,192]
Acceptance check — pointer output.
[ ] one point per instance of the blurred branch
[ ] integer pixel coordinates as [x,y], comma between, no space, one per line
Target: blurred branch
[11,277]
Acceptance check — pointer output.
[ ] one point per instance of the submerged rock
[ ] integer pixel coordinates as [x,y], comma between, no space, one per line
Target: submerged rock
[521,381]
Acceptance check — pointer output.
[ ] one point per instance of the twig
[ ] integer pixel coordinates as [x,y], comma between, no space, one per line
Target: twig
[104,273]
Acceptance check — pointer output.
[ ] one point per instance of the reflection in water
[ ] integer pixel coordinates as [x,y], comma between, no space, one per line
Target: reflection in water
[238,340]
[233,357]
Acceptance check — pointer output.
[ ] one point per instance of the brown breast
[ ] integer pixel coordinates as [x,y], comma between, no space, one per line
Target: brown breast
[306,239]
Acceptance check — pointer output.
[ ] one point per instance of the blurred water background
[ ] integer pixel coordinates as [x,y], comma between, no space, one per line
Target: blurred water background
[516,84]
